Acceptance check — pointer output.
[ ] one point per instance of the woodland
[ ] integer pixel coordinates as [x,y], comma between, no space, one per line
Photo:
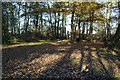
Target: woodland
[61,40]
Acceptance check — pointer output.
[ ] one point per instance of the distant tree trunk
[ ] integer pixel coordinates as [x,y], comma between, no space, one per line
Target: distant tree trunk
[79,28]
[63,26]
[72,26]
[36,22]
[91,25]
[41,20]
[91,30]
[108,30]
[19,18]
[50,23]
[27,24]
[55,26]
[108,21]
[58,25]
[75,31]
[83,30]
[87,29]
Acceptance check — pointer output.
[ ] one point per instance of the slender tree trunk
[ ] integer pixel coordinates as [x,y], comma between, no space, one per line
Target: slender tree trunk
[87,29]
[25,30]
[79,28]
[19,18]
[91,25]
[83,30]
[58,25]
[41,20]
[72,26]
[50,23]
[55,26]
[27,23]
[36,23]
[63,26]
[108,30]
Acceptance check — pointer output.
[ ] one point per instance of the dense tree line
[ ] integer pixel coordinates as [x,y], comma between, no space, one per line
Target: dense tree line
[31,21]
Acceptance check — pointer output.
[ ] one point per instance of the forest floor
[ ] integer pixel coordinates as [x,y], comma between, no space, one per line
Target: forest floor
[60,59]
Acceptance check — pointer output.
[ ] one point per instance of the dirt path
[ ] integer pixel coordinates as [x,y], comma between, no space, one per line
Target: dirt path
[61,59]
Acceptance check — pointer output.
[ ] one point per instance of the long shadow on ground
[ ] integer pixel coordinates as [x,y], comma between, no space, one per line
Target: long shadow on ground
[80,60]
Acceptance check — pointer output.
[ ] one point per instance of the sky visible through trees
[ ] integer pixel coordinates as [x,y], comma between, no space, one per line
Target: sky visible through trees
[104,11]
[54,20]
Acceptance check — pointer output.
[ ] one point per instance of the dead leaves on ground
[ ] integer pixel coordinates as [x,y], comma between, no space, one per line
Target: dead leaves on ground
[62,59]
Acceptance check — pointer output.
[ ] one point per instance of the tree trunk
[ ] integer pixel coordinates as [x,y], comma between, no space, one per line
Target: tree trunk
[58,25]
[91,26]
[72,26]
[87,29]
[25,29]
[83,30]
[19,18]
[27,24]
[36,23]
[41,20]
[116,38]
[79,28]
[55,26]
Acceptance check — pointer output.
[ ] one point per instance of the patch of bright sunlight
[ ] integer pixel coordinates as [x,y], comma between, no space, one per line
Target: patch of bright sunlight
[105,62]
[94,55]
[63,41]
[83,40]
[58,42]
[53,43]
[93,48]
[103,48]
[23,44]
[75,56]
[48,58]
[63,48]
[86,46]
[32,43]
[44,62]
[94,41]
[116,72]
[114,53]
[84,67]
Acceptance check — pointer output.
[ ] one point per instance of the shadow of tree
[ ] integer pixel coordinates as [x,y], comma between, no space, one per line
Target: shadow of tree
[90,72]
[13,57]
[61,68]
[90,66]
